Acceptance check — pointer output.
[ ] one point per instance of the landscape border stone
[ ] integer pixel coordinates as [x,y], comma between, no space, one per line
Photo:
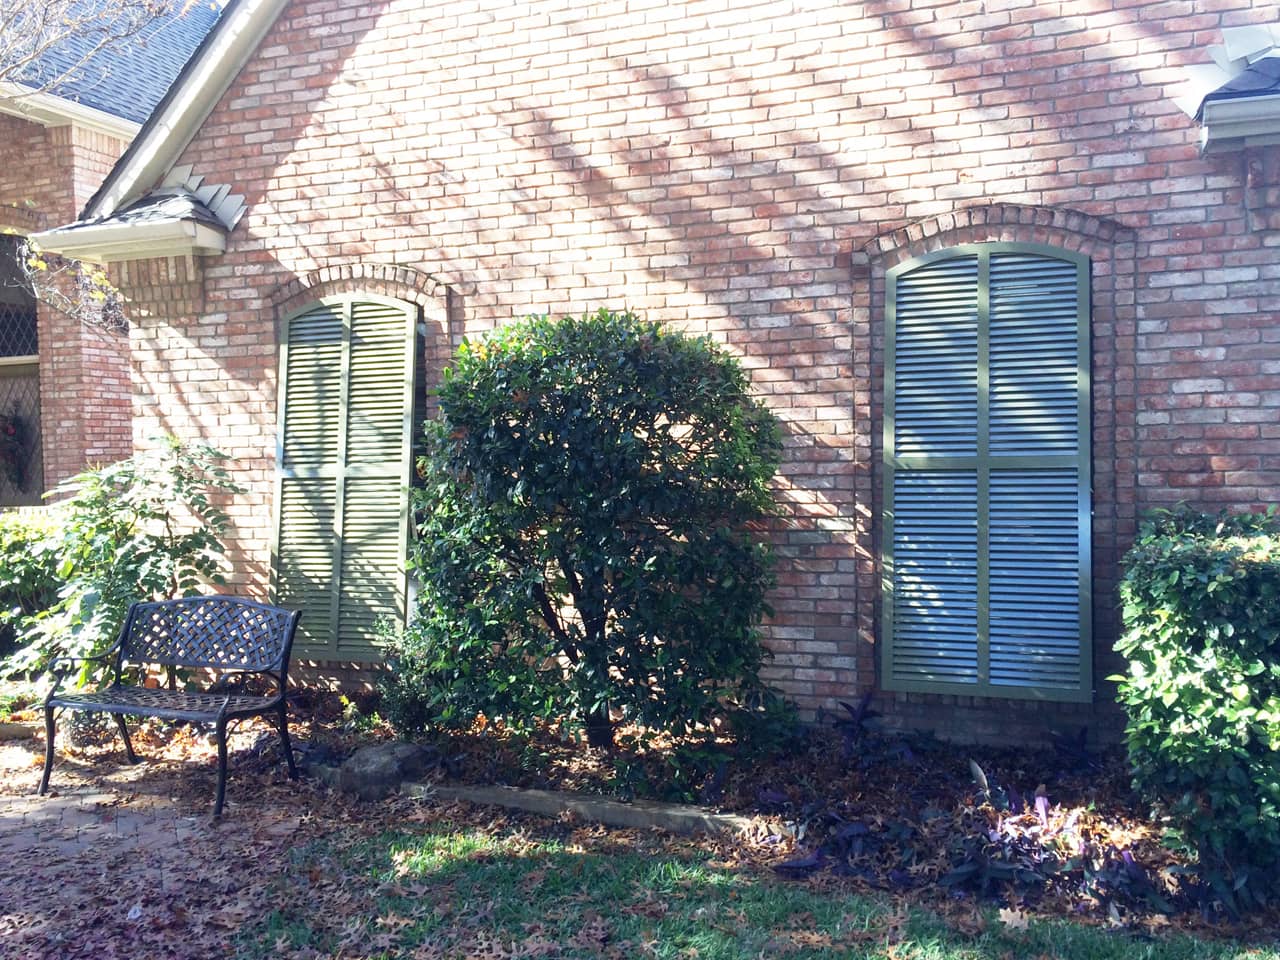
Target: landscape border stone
[18,730]
[642,814]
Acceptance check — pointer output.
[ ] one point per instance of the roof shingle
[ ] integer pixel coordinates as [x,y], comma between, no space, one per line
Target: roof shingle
[127,79]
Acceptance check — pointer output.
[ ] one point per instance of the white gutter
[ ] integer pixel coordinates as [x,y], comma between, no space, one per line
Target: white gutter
[1242,121]
[168,132]
[140,240]
[53,111]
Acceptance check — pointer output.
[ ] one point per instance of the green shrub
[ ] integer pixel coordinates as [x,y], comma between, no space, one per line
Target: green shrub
[1202,634]
[583,543]
[146,527]
[29,579]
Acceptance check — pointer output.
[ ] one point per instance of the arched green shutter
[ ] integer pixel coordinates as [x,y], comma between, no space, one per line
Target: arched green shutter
[345,420]
[987,474]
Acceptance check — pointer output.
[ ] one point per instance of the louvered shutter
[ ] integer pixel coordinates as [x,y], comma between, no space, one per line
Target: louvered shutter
[986,523]
[346,396]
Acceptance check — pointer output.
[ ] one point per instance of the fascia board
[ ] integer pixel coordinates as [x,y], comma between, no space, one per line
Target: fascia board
[49,110]
[114,242]
[1243,121]
[178,119]
[1243,109]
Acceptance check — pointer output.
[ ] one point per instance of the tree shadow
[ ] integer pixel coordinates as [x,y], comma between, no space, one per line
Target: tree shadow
[725,191]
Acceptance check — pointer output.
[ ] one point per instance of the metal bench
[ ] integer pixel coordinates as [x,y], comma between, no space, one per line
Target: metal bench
[239,637]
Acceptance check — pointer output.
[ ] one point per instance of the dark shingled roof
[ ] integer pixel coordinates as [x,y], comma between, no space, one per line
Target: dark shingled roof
[129,78]
[165,203]
[1260,79]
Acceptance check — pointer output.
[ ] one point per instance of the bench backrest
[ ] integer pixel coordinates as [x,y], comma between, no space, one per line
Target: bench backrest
[218,632]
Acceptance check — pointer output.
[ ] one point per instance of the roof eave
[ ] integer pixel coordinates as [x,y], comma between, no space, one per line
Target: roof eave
[50,110]
[189,102]
[1239,122]
[116,242]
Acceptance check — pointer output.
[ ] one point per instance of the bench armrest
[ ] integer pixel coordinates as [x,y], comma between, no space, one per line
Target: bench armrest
[59,667]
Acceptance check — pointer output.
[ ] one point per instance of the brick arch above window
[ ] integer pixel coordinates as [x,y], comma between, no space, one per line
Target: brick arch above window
[1066,229]
[387,280]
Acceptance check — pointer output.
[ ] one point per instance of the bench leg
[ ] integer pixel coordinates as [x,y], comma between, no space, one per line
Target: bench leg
[124,735]
[48,749]
[285,745]
[220,732]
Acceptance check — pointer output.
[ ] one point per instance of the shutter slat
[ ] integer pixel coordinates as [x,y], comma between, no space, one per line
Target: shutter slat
[935,359]
[935,602]
[313,373]
[1035,578]
[372,568]
[1034,355]
[375,416]
[305,555]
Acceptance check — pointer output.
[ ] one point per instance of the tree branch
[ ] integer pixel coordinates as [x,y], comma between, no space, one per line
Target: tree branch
[554,625]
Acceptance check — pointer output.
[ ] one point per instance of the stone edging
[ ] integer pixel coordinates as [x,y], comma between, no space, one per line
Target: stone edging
[676,818]
[19,730]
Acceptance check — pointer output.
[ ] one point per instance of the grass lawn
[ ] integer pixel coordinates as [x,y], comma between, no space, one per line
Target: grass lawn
[446,889]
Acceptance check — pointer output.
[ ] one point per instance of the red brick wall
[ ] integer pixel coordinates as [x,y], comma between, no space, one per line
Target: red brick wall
[750,169]
[46,176]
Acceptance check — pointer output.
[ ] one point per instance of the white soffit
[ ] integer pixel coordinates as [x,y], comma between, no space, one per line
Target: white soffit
[112,242]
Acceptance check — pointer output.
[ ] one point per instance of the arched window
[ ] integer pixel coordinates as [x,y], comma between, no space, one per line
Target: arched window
[343,468]
[986,526]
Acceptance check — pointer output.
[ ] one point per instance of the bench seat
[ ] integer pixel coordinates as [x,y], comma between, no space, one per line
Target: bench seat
[192,706]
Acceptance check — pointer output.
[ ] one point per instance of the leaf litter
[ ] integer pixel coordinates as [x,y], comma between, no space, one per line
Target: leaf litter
[907,819]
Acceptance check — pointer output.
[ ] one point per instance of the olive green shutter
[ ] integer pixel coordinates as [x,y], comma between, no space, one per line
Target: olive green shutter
[346,394]
[986,523]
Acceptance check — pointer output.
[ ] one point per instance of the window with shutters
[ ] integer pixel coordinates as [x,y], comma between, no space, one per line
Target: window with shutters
[343,456]
[987,474]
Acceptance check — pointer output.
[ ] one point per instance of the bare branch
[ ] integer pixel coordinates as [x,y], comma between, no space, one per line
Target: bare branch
[82,291]
[44,43]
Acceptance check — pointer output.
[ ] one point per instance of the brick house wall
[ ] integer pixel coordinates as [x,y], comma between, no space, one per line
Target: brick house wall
[751,170]
[46,176]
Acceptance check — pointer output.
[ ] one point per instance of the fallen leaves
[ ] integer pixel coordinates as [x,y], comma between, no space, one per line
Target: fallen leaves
[1014,919]
[282,848]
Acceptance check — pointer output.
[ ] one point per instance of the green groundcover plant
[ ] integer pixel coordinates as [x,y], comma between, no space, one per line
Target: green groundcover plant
[1202,634]
[146,527]
[29,579]
[585,544]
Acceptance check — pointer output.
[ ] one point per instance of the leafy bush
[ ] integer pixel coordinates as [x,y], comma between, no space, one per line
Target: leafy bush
[1202,634]
[28,569]
[582,537]
[146,527]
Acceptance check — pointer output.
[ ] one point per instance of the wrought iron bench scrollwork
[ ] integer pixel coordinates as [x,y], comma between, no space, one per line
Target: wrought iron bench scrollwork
[230,635]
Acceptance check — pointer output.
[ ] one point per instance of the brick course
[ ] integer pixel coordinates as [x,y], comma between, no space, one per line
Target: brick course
[750,170]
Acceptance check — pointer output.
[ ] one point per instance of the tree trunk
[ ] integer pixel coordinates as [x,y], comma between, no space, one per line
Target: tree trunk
[600,729]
